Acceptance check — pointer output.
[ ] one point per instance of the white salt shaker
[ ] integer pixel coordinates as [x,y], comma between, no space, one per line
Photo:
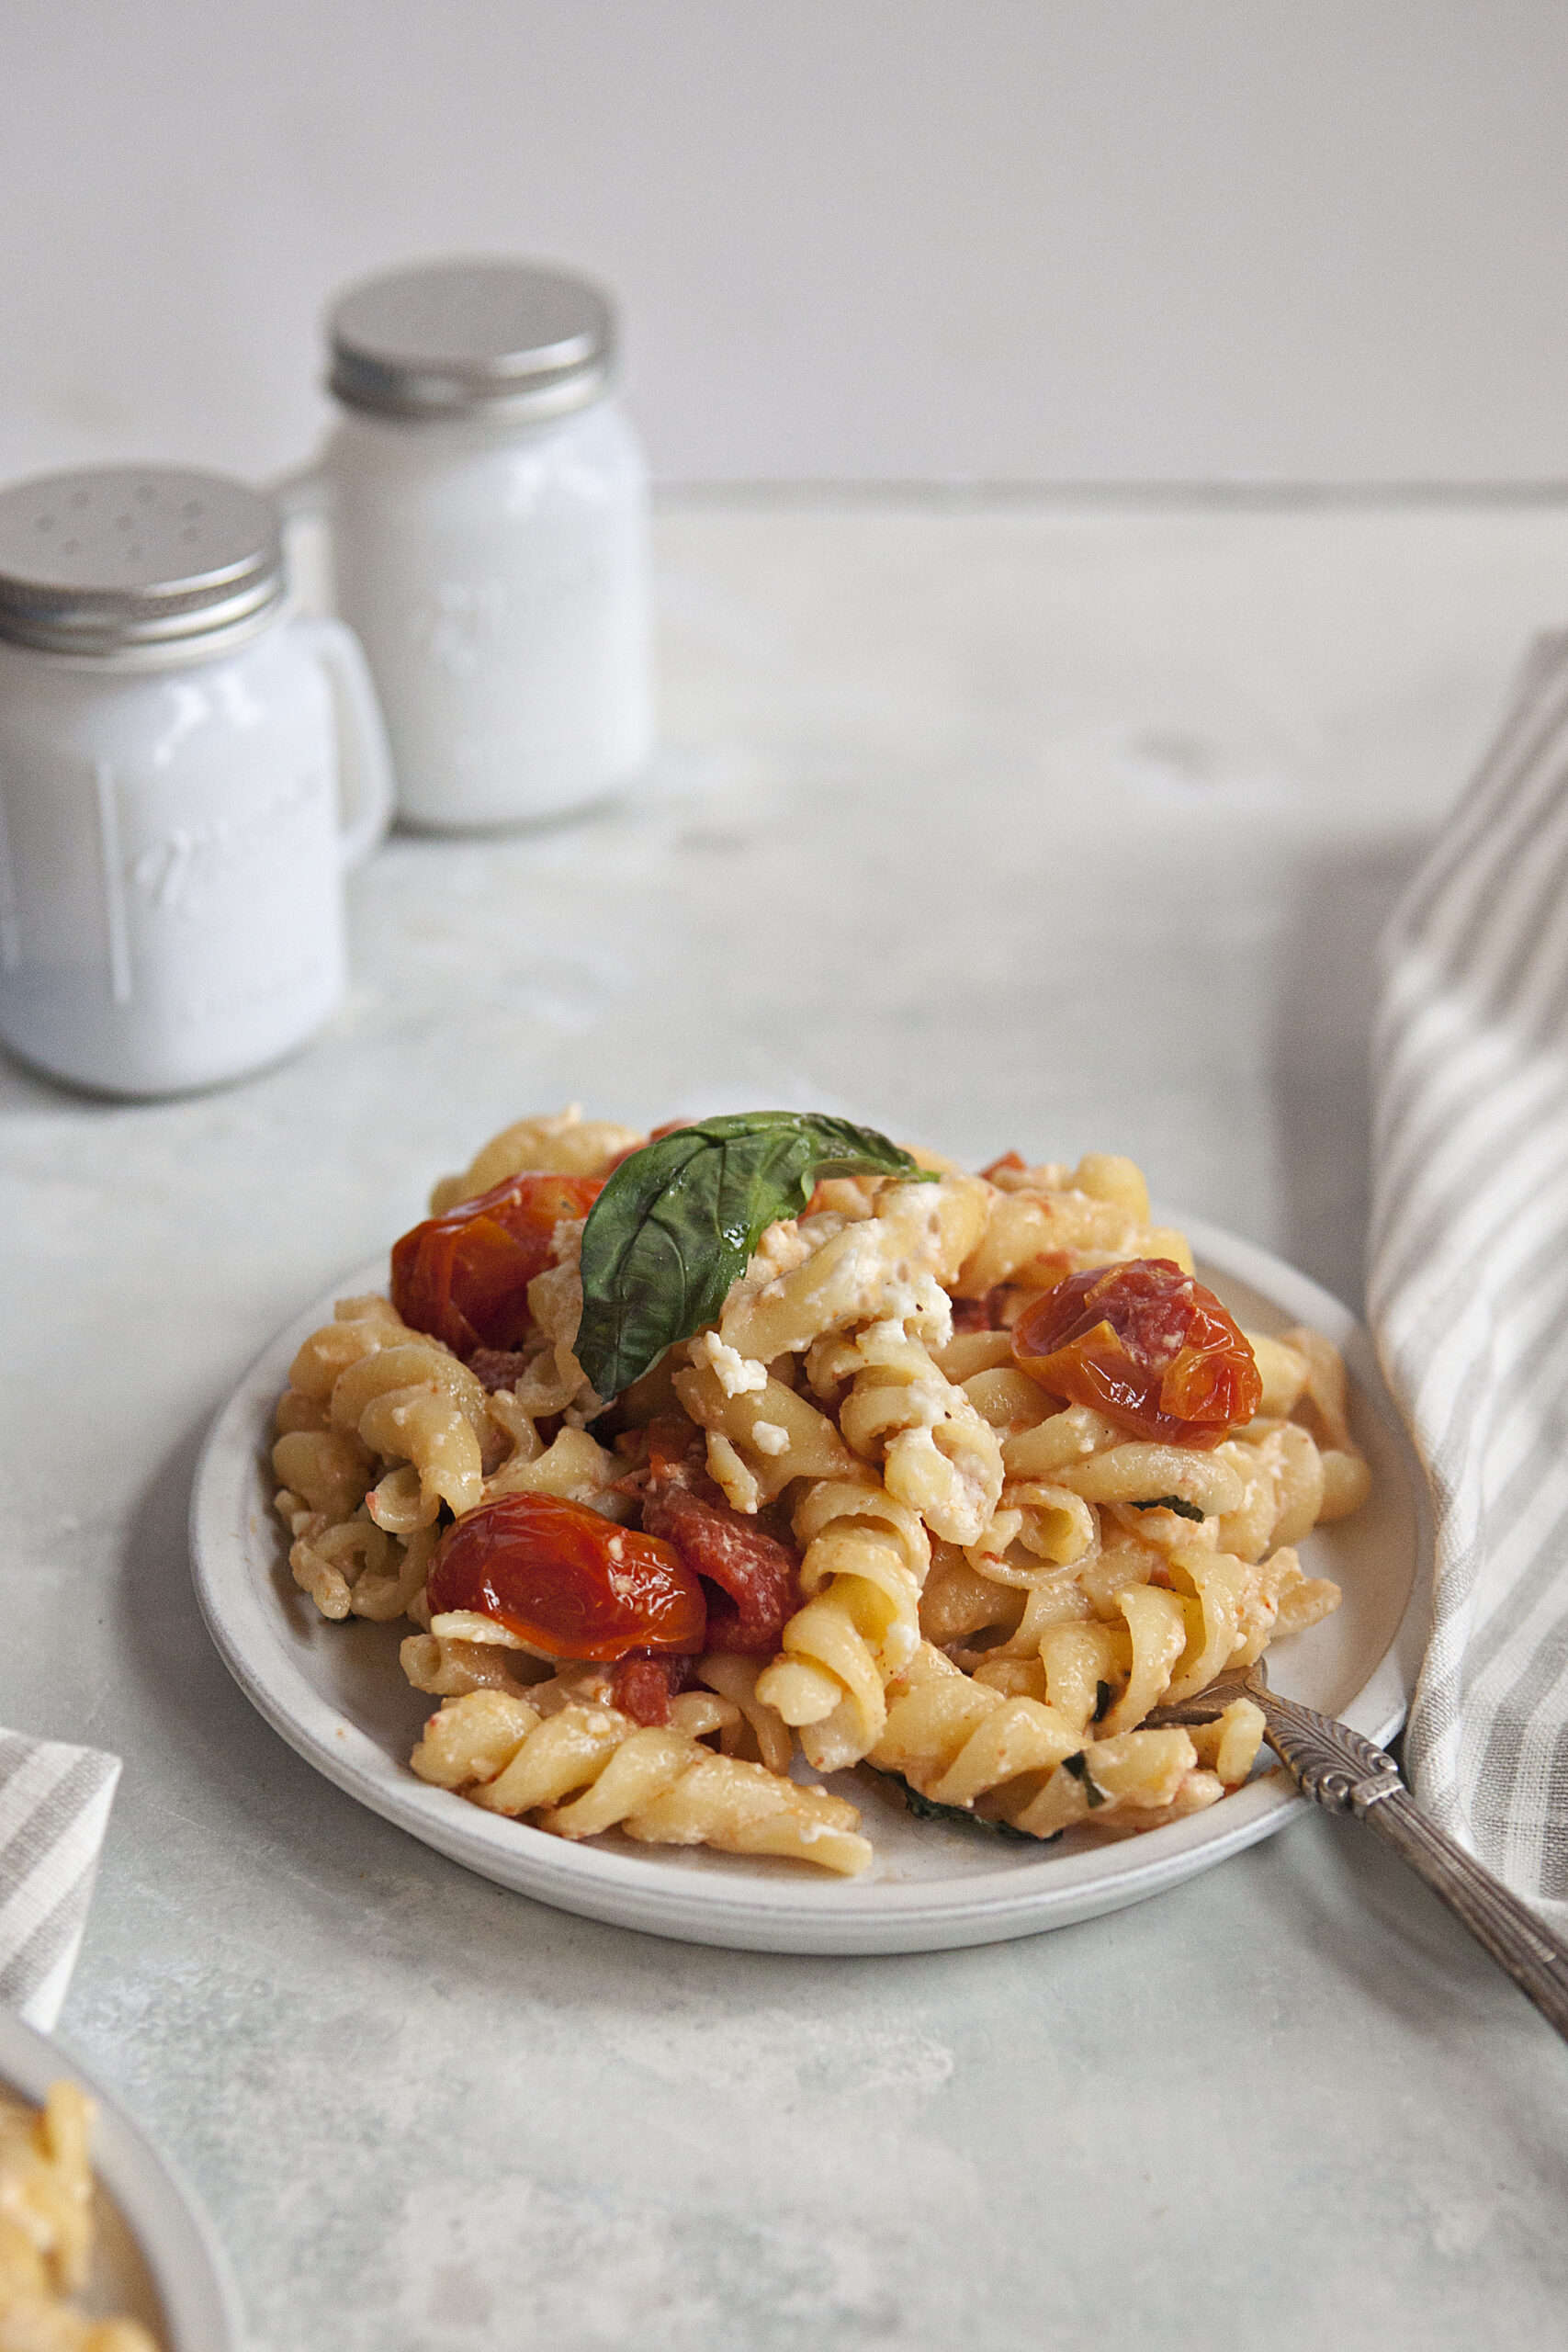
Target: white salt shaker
[187,769]
[487,502]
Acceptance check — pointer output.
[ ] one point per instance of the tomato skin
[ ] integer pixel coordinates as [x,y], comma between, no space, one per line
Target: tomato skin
[755,1576]
[1145,1344]
[568,1581]
[643,1687]
[464,1277]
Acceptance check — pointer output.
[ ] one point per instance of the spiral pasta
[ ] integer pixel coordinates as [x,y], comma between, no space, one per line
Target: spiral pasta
[382,1432]
[938,1455]
[45,2229]
[1036,1765]
[759,1440]
[978,1583]
[864,1560]
[585,1770]
[563,1143]
[864,1306]
[1097,1525]
[868,1547]
[1046,1221]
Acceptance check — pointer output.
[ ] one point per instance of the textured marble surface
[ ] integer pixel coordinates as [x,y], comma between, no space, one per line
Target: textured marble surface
[1012,824]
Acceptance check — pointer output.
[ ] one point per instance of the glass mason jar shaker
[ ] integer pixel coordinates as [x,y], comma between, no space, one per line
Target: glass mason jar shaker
[487,503]
[187,768]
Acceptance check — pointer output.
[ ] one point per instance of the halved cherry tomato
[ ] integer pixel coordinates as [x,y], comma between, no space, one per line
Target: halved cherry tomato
[464,1277]
[568,1581]
[1145,1345]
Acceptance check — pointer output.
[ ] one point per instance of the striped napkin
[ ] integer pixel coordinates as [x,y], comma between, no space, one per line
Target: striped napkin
[1469,1285]
[54,1808]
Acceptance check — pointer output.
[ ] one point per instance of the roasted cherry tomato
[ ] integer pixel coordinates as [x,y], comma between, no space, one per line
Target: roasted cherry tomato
[568,1581]
[464,1277]
[1145,1345]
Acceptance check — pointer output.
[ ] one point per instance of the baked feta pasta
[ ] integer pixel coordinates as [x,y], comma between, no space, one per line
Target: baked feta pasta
[705,1464]
[46,2230]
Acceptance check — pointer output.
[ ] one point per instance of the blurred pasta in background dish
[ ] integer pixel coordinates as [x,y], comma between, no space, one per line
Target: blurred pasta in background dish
[46,2230]
[958,1477]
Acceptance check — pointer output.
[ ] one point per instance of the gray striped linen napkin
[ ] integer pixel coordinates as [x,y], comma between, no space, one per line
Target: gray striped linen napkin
[54,1809]
[1469,1285]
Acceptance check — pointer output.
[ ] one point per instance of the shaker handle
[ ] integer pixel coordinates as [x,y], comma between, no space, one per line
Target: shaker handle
[367,788]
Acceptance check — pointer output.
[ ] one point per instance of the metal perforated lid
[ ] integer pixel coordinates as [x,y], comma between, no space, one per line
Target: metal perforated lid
[453,337]
[120,556]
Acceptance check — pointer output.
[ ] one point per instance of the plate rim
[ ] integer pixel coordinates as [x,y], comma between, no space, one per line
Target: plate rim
[836,1916]
[200,2304]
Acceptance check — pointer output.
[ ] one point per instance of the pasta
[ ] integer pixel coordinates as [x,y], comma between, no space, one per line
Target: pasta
[46,2230]
[585,1768]
[964,1477]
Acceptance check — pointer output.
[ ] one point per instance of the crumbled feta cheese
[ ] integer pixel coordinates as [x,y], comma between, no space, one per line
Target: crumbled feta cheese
[770,1437]
[566,1241]
[737,1375]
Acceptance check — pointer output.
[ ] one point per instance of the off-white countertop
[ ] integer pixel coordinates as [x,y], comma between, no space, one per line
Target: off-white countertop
[992,824]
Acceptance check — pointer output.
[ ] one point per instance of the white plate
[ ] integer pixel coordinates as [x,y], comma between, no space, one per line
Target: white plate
[336,1694]
[153,2256]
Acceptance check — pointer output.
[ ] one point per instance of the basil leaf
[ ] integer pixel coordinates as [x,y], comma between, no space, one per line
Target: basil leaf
[1078,1767]
[1171,1503]
[677,1221]
[928,1809]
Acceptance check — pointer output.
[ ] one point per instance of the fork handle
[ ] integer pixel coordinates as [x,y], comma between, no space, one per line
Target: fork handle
[1338,1769]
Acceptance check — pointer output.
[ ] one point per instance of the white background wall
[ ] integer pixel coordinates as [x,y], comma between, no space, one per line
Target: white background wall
[1062,239]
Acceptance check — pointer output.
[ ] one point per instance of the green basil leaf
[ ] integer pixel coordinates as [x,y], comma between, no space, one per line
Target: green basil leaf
[677,1221]
[1078,1767]
[928,1809]
[1171,1503]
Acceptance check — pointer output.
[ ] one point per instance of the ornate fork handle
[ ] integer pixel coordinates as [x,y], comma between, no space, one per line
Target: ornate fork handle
[1340,1769]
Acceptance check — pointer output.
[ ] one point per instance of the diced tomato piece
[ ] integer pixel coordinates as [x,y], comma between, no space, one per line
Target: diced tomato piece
[1145,1344]
[464,1277]
[981,1314]
[676,1454]
[756,1573]
[643,1687]
[568,1581]
[496,1368]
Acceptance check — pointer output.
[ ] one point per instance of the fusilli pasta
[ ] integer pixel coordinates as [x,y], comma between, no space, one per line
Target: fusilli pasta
[923,1544]
[45,2229]
[585,1770]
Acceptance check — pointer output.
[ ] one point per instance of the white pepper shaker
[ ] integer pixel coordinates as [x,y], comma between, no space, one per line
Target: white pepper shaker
[487,502]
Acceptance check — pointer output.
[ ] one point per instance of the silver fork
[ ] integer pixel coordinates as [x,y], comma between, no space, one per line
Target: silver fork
[1338,1769]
